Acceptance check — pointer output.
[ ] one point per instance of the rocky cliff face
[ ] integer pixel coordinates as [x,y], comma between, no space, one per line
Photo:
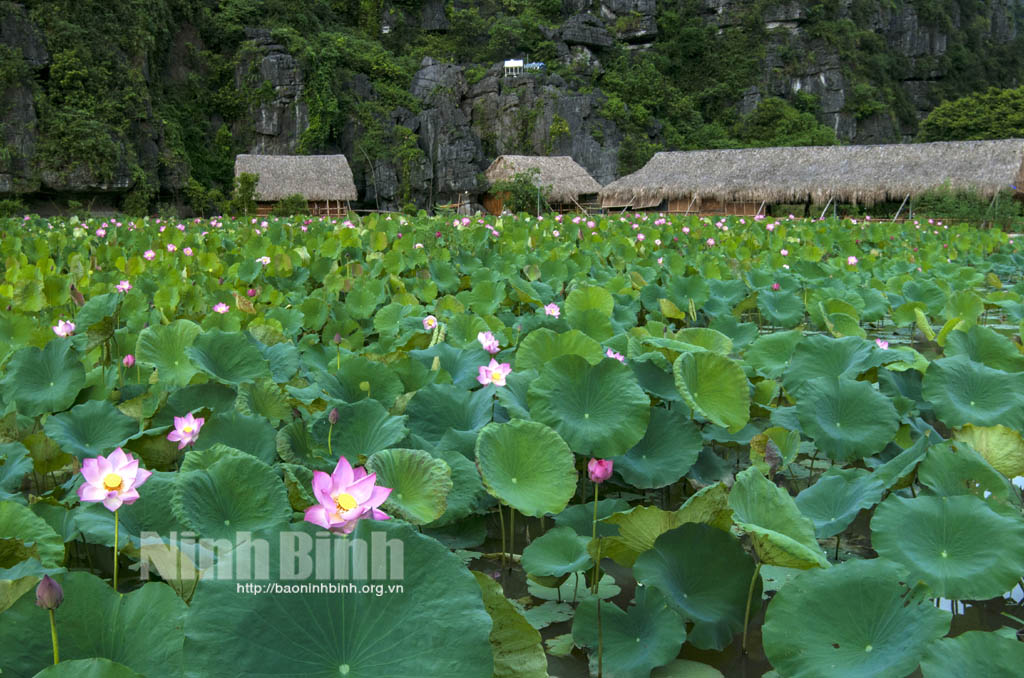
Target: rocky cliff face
[464,120]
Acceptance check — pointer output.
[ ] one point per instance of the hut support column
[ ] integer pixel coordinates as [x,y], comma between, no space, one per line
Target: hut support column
[691,204]
[760,208]
[826,208]
[901,208]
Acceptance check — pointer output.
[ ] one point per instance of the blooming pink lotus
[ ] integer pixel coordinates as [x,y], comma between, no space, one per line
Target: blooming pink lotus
[113,480]
[149,255]
[599,470]
[221,308]
[346,496]
[552,310]
[489,342]
[851,260]
[64,328]
[123,286]
[882,344]
[494,373]
[615,355]
[186,430]
[429,323]
[776,287]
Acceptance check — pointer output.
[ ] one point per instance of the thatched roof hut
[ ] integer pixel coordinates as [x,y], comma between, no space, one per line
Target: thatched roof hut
[567,179]
[853,174]
[315,177]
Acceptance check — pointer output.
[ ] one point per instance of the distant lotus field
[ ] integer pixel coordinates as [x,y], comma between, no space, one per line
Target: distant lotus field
[627,445]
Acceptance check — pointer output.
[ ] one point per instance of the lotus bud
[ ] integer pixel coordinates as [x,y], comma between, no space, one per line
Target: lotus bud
[337,338]
[49,594]
[129,360]
[599,470]
[333,416]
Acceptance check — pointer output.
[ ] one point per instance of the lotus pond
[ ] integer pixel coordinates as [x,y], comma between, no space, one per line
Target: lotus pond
[625,446]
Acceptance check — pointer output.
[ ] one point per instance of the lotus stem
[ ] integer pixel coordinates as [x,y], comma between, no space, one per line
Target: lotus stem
[597,556]
[746,614]
[116,525]
[511,534]
[53,638]
[504,551]
[600,642]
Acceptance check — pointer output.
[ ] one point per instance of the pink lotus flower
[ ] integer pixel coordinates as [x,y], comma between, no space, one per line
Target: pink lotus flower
[599,470]
[171,247]
[851,260]
[346,496]
[264,260]
[113,480]
[251,292]
[494,373]
[489,343]
[429,323]
[129,360]
[64,328]
[711,242]
[776,287]
[221,308]
[187,251]
[784,253]
[615,355]
[552,310]
[123,286]
[149,255]
[49,594]
[186,430]
[882,344]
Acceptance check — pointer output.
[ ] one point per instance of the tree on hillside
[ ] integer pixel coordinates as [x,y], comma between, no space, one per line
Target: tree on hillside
[776,123]
[994,114]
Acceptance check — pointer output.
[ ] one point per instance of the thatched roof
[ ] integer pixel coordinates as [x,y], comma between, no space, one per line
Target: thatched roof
[567,179]
[857,174]
[315,177]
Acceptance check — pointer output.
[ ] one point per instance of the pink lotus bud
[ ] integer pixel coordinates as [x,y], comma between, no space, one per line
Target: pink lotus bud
[333,416]
[129,360]
[599,470]
[49,594]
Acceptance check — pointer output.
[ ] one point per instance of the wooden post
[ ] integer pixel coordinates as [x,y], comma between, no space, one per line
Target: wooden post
[900,209]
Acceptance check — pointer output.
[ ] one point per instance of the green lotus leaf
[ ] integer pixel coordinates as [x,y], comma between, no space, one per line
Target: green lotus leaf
[781,308]
[820,356]
[228,357]
[547,613]
[847,419]
[283,358]
[575,589]
[96,667]
[462,364]
[781,534]
[587,297]
[363,428]
[295,445]
[364,297]
[641,526]
[666,452]
[359,378]
[952,470]
[358,635]
[986,346]
[965,392]
[708,339]
[164,346]
[557,552]
[264,398]
[15,333]
[141,630]
[439,407]
[513,397]
[542,345]
[835,498]
[853,621]
[974,653]
[14,466]
[517,648]
[580,517]
[526,465]
[235,494]
[682,290]
[704,574]
[685,668]
[1002,447]
[25,535]
[957,545]
[211,395]
[467,488]
[714,386]
[44,380]
[649,634]
[599,409]
[92,428]
[419,483]
[655,380]
[770,353]
[253,435]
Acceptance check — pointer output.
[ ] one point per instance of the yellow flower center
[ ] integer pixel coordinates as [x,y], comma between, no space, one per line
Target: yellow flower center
[345,501]
[186,429]
[497,377]
[112,482]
